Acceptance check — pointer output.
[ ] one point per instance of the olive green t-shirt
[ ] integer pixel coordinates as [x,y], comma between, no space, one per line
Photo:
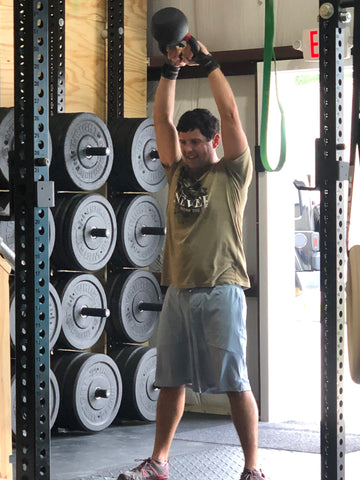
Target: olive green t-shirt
[204,219]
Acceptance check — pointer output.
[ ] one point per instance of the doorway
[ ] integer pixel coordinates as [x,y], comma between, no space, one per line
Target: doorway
[290,342]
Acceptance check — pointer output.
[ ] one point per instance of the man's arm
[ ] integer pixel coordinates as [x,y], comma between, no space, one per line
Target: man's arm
[166,134]
[233,136]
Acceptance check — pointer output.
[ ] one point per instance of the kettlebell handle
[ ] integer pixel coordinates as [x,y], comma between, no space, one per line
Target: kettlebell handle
[195,47]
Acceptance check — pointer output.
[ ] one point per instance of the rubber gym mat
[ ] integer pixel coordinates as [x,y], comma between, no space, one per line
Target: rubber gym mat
[219,462]
[290,436]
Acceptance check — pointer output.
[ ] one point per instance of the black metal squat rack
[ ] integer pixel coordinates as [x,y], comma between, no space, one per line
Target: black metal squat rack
[39,92]
[33,194]
[331,182]
[332,172]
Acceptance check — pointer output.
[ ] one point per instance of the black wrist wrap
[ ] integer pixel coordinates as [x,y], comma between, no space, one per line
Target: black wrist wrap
[169,71]
[207,62]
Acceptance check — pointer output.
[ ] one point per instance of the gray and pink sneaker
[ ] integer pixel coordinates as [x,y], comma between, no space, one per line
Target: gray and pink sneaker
[149,469]
[252,475]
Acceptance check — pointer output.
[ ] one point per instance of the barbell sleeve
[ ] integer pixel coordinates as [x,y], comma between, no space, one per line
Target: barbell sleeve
[99,151]
[154,154]
[150,307]
[102,393]
[100,232]
[153,230]
[95,312]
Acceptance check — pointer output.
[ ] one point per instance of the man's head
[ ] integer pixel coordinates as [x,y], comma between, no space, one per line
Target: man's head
[199,137]
[199,118]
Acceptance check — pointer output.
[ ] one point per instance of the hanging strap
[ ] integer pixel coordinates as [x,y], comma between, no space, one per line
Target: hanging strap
[269,55]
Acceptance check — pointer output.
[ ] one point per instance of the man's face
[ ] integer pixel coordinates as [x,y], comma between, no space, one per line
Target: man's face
[197,151]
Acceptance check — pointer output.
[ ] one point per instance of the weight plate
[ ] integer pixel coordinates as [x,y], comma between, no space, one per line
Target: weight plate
[7,232]
[128,321]
[79,330]
[7,143]
[77,218]
[135,248]
[54,398]
[140,395]
[122,355]
[51,231]
[136,163]
[55,316]
[74,165]
[92,388]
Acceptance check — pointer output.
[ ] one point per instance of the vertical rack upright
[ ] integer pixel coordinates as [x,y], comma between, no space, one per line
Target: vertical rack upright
[33,194]
[331,180]
[115,57]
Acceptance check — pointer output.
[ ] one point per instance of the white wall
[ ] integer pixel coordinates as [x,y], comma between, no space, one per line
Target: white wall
[239,24]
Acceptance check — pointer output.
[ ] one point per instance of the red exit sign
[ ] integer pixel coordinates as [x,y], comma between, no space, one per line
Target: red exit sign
[310,44]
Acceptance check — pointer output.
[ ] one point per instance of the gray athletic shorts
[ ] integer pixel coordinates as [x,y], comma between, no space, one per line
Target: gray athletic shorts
[201,339]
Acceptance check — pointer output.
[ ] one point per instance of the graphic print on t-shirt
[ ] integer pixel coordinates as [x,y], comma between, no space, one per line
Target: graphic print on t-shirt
[190,196]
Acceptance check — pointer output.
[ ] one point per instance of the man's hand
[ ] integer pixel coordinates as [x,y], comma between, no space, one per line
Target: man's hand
[181,56]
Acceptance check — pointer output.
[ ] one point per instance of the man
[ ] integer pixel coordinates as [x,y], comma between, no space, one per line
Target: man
[202,332]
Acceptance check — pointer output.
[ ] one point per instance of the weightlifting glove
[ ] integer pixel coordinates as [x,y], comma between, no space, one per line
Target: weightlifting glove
[207,62]
[169,71]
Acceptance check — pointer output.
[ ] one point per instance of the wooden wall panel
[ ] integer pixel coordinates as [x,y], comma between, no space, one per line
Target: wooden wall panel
[5,382]
[6,54]
[135,58]
[86,55]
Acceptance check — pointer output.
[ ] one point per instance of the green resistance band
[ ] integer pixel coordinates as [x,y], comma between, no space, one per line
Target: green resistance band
[269,55]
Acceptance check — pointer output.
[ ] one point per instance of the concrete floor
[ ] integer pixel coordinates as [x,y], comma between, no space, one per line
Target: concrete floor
[103,455]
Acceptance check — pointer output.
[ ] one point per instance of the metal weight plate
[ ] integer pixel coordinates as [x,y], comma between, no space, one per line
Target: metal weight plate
[7,232]
[55,316]
[129,321]
[91,390]
[86,224]
[84,310]
[54,398]
[140,394]
[122,355]
[135,247]
[137,166]
[7,143]
[83,151]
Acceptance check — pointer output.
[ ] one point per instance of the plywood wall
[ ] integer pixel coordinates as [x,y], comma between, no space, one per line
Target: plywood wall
[6,54]
[86,56]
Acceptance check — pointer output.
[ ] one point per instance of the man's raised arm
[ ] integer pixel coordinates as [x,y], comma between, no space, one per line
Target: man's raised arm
[233,136]
[166,134]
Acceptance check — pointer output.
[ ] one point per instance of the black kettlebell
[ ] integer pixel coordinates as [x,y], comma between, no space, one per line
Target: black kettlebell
[169,26]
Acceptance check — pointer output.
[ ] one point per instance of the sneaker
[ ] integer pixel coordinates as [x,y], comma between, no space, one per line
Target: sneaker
[252,475]
[149,469]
